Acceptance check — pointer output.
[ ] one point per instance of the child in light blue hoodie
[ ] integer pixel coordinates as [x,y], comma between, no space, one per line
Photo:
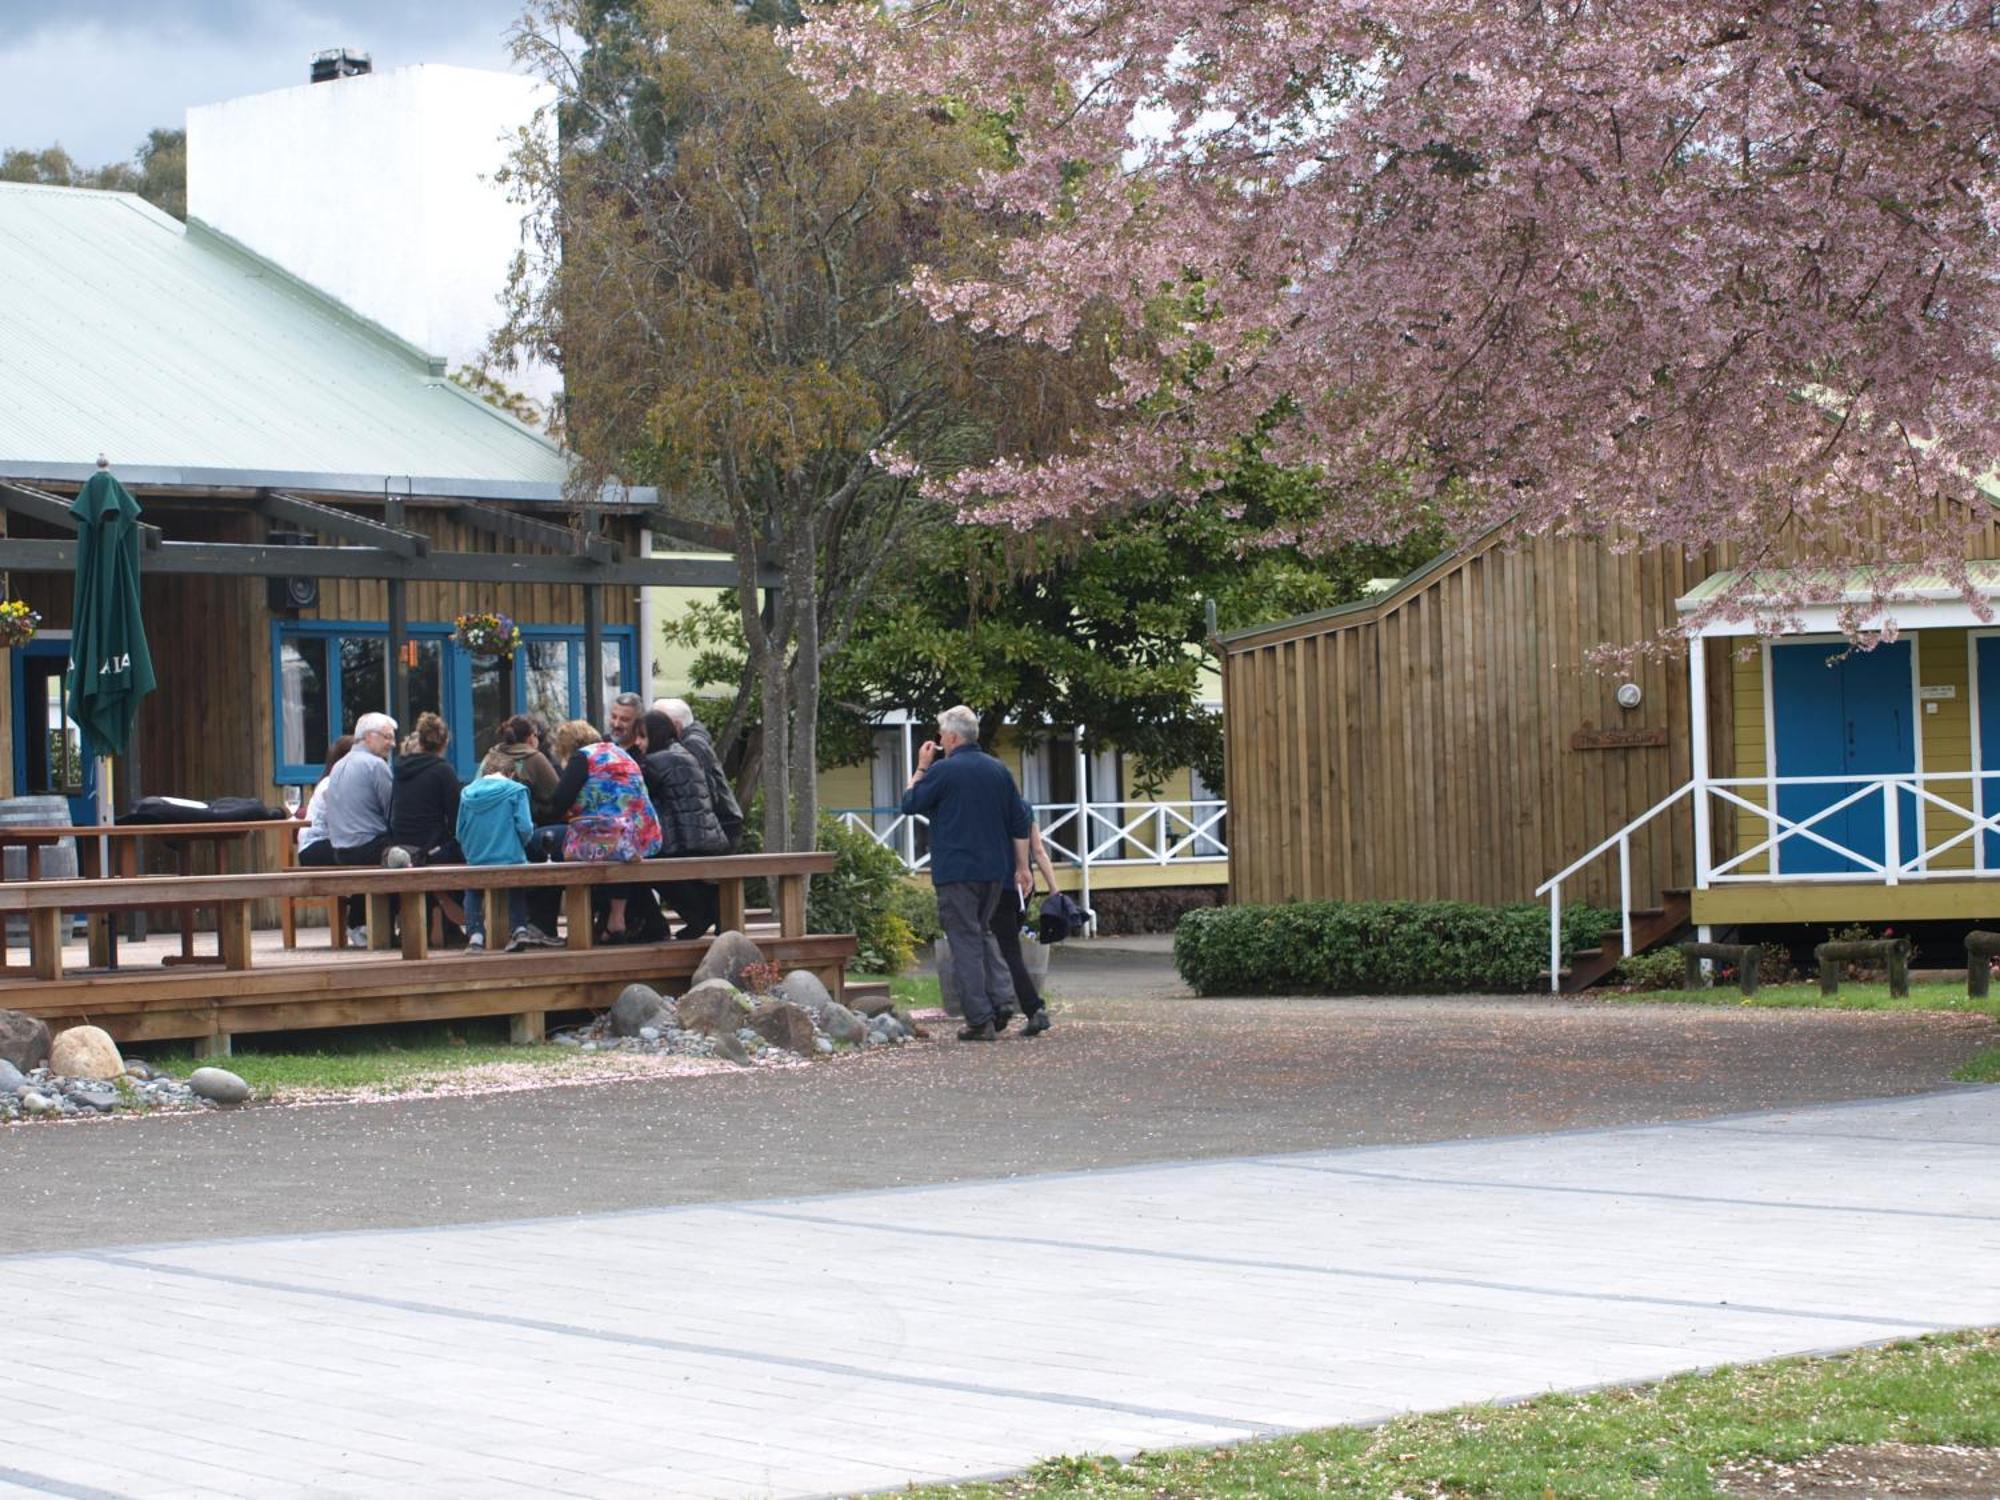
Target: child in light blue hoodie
[493,829]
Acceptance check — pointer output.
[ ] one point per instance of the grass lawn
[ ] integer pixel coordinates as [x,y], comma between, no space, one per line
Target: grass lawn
[912,991]
[1985,1068]
[1658,1441]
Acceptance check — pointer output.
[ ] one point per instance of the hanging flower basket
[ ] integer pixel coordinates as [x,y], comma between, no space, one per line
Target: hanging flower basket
[18,623]
[488,635]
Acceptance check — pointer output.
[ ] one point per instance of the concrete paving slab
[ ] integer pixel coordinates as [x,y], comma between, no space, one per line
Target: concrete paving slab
[860,1341]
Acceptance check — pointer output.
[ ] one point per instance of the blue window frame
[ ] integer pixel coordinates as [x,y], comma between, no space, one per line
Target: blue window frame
[327,673]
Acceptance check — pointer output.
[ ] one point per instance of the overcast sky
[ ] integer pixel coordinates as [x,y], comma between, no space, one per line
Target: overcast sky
[96,75]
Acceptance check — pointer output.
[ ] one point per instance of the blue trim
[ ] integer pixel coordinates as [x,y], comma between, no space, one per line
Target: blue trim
[82,808]
[454,685]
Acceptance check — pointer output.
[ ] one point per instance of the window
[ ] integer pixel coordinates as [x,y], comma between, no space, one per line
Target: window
[330,673]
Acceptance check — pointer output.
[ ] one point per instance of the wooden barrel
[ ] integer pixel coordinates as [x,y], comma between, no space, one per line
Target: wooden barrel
[58,860]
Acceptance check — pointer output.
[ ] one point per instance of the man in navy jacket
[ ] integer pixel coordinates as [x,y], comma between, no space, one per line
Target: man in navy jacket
[979,843]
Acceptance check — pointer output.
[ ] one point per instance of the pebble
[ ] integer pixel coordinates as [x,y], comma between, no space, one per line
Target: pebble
[37,1103]
[12,1079]
[649,1033]
[219,1085]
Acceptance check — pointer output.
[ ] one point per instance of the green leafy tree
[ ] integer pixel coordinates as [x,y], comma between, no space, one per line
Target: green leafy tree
[157,171]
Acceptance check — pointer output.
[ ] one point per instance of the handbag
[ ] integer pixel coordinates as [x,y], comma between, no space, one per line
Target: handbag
[602,839]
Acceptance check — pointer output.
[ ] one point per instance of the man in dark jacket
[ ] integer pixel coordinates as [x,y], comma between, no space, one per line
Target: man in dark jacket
[979,842]
[703,898]
[688,828]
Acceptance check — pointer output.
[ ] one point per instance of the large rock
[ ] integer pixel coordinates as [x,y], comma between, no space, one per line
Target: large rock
[85,1052]
[802,987]
[714,1009]
[783,1024]
[24,1041]
[872,1005]
[11,1081]
[219,1085]
[637,1007]
[727,957]
[842,1024]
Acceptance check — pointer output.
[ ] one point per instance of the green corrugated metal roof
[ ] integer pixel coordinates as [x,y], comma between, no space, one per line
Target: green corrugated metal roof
[1854,585]
[167,347]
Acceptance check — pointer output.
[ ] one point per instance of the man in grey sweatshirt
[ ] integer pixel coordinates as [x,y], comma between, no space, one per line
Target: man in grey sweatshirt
[357,793]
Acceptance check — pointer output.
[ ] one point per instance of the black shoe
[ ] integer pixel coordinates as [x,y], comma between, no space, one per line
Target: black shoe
[1037,1024]
[983,1032]
[1004,1017]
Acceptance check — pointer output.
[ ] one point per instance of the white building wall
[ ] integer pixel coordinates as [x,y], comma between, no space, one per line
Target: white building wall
[380,191]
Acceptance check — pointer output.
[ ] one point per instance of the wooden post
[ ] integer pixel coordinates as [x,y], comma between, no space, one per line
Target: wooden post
[499,928]
[729,904]
[217,1043]
[593,649]
[416,925]
[527,1028]
[1698,755]
[791,905]
[399,630]
[45,943]
[1980,948]
[380,922]
[232,933]
[1894,952]
[576,913]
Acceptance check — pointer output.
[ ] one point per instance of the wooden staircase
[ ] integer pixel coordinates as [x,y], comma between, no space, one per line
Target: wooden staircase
[1651,926]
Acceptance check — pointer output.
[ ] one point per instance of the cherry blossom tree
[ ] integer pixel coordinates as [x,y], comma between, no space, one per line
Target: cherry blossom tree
[1666,270]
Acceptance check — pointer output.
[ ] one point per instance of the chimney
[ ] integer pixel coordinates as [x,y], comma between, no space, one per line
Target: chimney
[339,62]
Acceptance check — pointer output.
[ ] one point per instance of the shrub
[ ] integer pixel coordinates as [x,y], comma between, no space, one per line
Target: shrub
[1374,947]
[916,904]
[861,896]
[1661,969]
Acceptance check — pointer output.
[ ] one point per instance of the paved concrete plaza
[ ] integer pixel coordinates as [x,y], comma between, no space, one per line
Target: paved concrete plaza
[862,1340]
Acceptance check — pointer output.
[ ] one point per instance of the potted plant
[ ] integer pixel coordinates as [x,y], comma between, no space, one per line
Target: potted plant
[488,635]
[18,622]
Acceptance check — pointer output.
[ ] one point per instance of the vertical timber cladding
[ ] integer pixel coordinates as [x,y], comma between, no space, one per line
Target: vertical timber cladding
[1454,741]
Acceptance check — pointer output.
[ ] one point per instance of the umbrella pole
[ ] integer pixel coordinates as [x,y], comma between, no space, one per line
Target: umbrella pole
[105,818]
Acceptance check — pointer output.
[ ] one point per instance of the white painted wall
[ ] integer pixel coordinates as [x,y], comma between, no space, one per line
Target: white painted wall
[379,190]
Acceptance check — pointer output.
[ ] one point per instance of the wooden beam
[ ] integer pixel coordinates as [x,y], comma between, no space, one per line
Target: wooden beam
[343,525]
[709,534]
[53,510]
[265,560]
[560,540]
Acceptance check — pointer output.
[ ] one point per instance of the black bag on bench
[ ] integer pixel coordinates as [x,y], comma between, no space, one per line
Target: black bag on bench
[188,810]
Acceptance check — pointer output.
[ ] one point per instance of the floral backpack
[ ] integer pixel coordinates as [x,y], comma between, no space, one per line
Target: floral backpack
[613,822]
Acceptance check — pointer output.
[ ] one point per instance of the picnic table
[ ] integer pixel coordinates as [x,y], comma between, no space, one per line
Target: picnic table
[123,841]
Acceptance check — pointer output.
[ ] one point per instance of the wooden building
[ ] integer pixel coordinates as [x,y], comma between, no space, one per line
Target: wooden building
[320,501]
[1452,739]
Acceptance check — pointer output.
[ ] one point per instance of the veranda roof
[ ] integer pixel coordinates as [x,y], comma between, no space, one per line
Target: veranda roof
[186,359]
[1916,598]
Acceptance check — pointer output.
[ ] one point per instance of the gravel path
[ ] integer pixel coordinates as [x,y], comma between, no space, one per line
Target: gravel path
[1120,1080]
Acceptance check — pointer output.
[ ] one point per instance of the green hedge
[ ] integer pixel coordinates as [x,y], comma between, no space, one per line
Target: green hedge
[1375,947]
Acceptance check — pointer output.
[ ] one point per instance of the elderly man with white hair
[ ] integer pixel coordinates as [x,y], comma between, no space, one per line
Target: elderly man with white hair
[698,901]
[979,842]
[358,792]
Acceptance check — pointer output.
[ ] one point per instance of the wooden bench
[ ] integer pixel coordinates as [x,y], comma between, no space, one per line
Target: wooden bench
[472,984]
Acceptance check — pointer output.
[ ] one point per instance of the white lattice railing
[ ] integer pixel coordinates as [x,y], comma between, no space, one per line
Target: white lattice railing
[1872,830]
[1082,834]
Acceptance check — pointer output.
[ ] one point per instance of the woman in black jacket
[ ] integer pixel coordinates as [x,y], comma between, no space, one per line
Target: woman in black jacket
[689,828]
[423,810]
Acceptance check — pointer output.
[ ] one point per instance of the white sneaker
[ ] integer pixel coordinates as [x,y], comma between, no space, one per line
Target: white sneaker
[357,937]
[540,938]
[519,940]
[476,943]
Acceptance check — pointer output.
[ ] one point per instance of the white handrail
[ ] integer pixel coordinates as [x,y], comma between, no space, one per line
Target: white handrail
[1083,835]
[1622,841]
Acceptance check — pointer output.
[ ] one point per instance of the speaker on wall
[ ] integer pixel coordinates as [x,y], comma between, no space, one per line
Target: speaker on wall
[289,595]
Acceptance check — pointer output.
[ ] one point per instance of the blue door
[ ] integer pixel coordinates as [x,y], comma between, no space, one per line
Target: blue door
[50,758]
[1838,712]
[1986,663]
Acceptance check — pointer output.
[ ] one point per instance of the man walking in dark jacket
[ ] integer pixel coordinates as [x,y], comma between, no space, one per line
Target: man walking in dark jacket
[979,843]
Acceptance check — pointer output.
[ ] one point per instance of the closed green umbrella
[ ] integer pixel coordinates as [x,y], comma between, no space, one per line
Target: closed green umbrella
[110,669]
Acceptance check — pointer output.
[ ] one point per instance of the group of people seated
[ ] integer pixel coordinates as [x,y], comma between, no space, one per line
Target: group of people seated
[652,788]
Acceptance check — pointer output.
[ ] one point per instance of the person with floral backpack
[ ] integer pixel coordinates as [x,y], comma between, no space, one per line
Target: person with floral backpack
[610,819]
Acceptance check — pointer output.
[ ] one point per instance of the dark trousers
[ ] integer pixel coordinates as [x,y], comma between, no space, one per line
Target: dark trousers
[965,911]
[1006,928]
[369,853]
[699,903]
[545,901]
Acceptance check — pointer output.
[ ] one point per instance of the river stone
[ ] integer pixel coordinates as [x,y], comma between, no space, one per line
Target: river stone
[138,1068]
[85,1052]
[873,1005]
[37,1103]
[727,957]
[92,1094]
[637,1006]
[783,1024]
[715,1009]
[803,987]
[12,1080]
[24,1040]
[218,1085]
[842,1024]
[727,1046]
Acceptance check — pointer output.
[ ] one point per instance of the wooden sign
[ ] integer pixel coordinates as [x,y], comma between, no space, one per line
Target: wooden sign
[1588,738]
